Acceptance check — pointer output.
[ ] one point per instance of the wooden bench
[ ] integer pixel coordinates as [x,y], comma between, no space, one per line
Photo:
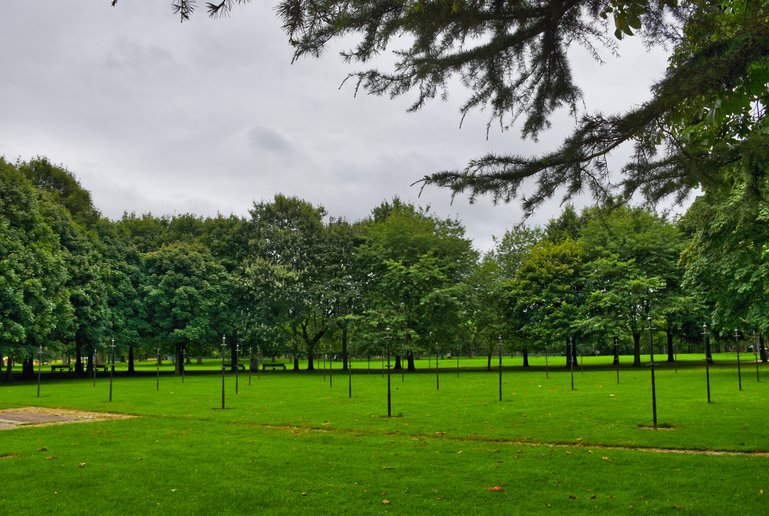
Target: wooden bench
[273,365]
[241,366]
[61,367]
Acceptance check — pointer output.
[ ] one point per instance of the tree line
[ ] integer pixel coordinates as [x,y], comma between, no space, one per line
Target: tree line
[291,280]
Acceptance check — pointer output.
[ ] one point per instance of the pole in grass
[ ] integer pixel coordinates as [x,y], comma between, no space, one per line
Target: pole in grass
[39,367]
[616,356]
[224,349]
[389,397]
[547,366]
[330,372]
[755,354]
[250,364]
[237,365]
[93,365]
[437,369]
[181,366]
[157,369]
[349,374]
[500,368]
[112,369]
[737,344]
[705,335]
[654,387]
[570,351]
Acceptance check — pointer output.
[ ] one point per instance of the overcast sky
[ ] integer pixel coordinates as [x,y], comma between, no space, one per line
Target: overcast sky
[210,115]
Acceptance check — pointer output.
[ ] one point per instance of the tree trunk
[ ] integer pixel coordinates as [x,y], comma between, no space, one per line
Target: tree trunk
[525,357]
[131,359]
[761,348]
[296,363]
[636,348]
[410,357]
[179,358]
[397,363]
[669,334]
[310,361]
[488,362]
[78,359]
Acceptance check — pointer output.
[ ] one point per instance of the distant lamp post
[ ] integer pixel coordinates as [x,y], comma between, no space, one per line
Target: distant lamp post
[236,365]
[500,367]
[331,372]
[739,369]
[157,370]
[755,354]
[705,335]
[39,367]
[654,387]
[250,364]
[570,351]
[389,396]
[224,350]
[112,369]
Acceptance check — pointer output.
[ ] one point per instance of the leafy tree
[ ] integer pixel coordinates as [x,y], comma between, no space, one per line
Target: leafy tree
[547,293]
[291,233]
[414,263]
[34,300]
[632,273]
[184,291]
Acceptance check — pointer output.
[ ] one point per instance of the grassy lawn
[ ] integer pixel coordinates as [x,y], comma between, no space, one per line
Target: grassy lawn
[297,443]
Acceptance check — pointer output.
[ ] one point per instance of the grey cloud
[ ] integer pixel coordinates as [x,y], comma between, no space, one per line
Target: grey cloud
[270,140]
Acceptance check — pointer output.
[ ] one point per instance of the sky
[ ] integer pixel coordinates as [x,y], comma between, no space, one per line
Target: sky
[210,116]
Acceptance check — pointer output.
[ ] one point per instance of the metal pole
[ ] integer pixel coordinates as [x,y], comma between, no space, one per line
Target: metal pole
[250,363]
[224,349]
[349,374]
[331,372]
[570,351]
[739,370]
[755,354]
[389,397]
[181,366]
[157,367]
[654,387]
[112,369]
[705,335]
[616,356]
[39,368]
[437,375]
[500,368]
[237,365]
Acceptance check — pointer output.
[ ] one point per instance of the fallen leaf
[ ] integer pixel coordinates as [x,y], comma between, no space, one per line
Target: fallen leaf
[42,449]
[386,502]
[82,464]
[495,488]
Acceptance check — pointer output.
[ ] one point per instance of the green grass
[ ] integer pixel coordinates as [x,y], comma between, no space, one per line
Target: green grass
[293,444]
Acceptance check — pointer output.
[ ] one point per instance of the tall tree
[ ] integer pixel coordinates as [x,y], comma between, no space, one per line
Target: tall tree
[34,300]
[185,291]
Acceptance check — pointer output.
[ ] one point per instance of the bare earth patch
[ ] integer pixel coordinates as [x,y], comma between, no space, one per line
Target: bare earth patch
[40,416]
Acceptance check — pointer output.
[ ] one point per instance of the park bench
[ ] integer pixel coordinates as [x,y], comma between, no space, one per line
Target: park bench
[61,367]
[273,365]
[240,366]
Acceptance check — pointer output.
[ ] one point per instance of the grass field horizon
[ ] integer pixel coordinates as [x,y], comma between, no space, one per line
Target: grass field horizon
[293,443]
